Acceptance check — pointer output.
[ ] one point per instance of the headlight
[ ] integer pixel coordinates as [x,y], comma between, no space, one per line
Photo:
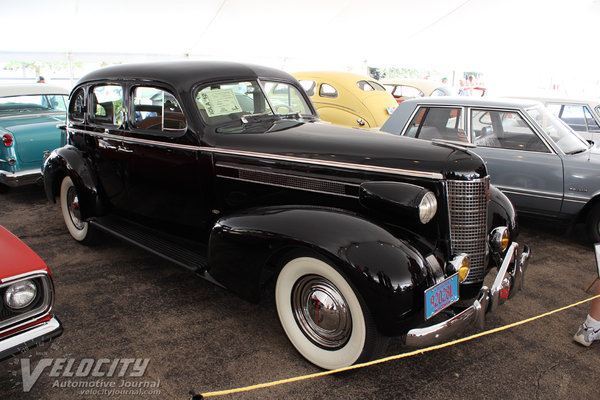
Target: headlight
[499,239]
[19,295]
[427,207]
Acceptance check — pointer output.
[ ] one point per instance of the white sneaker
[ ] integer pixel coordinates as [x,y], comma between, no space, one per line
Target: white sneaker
[586,335]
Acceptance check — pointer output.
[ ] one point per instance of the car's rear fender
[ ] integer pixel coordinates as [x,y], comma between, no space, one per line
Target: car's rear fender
[249,248]
[68,160]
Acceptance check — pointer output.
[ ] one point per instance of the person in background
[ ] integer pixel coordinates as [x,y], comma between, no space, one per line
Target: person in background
[589,331]
[41,79]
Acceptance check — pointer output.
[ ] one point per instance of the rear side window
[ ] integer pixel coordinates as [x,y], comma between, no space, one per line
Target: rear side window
[157,110]
[438,123]
[327,90]
[106,105]
[76,106]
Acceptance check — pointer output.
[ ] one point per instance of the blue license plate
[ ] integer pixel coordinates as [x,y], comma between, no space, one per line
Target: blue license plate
[440,296]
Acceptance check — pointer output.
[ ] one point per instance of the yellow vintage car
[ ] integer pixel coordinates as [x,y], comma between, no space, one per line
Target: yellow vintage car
[348,99]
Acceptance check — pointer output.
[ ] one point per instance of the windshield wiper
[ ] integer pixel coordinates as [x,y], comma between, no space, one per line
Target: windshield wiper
[259,118]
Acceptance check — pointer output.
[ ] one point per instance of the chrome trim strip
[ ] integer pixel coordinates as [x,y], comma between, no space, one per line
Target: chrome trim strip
[576,199]
[291,186]
[546,195]
[46,114]
[20,174]
[25,275]
[269,156]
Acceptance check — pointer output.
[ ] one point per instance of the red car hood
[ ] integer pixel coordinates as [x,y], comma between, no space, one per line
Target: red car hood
[16,257]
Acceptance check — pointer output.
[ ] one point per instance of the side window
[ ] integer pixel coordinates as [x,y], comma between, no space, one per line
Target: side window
[285,98]
[377,86]
[591,122]
[327,90]
[554,108]
[156,110]
[573,115]
[77,106]
[106,105]
[364,86]
[309,87]
[408,91]
[438,123]
[506,130]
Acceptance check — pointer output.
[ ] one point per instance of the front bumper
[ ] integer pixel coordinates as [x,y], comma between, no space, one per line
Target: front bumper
[509,280]
[20,178]
[30,338]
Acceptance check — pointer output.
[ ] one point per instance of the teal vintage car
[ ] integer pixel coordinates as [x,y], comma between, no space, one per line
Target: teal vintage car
[29,115]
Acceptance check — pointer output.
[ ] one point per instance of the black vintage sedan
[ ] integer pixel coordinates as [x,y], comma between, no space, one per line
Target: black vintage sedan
[223,168]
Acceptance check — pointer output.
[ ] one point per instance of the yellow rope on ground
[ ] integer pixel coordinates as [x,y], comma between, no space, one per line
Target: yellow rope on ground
[390,358]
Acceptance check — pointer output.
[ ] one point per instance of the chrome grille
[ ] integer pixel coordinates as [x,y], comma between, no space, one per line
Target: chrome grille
[467,210]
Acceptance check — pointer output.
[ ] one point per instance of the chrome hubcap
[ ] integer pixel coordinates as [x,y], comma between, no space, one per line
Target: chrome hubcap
[73,205]
[321,311]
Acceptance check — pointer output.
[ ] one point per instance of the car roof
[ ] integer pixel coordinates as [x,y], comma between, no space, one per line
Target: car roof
[185,73]
[418,83]
[26,89]
[563,100]
[470,101]
[333,75]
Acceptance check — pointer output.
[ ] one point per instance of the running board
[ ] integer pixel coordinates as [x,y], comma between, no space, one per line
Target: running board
[189,255]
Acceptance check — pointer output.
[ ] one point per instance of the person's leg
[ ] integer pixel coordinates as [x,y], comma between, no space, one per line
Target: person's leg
[595,309]
[589,331]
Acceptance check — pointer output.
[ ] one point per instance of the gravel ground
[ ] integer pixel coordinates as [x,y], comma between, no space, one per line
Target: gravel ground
[118,302]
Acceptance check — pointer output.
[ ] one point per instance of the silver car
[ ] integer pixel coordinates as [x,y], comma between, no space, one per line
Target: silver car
[532,156]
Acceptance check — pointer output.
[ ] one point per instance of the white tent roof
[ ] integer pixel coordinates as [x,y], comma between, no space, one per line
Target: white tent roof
[512,36]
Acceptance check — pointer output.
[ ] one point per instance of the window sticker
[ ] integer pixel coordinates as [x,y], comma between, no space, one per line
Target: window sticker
[220,102]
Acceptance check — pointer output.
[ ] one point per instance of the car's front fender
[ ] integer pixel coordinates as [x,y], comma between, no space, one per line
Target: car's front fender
[387,271]
[68,160]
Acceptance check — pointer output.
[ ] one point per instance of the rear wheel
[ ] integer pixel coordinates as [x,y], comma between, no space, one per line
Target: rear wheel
[69,204]
[3,188]
[323,316]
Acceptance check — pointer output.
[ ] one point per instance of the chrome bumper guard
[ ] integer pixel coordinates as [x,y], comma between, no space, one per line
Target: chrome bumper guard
[30,338]
[20,178]
[509,280]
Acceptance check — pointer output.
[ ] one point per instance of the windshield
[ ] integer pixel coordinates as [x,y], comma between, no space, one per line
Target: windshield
[559,132]
[32,104]
[224,102]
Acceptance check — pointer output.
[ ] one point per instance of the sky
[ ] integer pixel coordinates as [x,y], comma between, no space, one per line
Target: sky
[515,43]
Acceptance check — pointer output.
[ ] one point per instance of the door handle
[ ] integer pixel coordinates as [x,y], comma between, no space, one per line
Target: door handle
[124,149]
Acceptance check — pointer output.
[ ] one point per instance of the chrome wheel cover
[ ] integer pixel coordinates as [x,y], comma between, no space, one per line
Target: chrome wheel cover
[321,312]
[73,206]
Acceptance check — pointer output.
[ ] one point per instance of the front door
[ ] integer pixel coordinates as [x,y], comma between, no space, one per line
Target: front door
[519,162]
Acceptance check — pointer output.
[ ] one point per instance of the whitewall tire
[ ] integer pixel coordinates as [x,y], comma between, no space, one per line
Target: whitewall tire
[323,316]
[69,204]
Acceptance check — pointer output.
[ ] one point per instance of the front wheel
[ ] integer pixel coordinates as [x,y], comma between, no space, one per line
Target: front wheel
[593,224]
[323,315]
[69,204]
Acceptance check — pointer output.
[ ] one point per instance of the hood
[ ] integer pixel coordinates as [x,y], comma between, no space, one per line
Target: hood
[17,257]
[317,141]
